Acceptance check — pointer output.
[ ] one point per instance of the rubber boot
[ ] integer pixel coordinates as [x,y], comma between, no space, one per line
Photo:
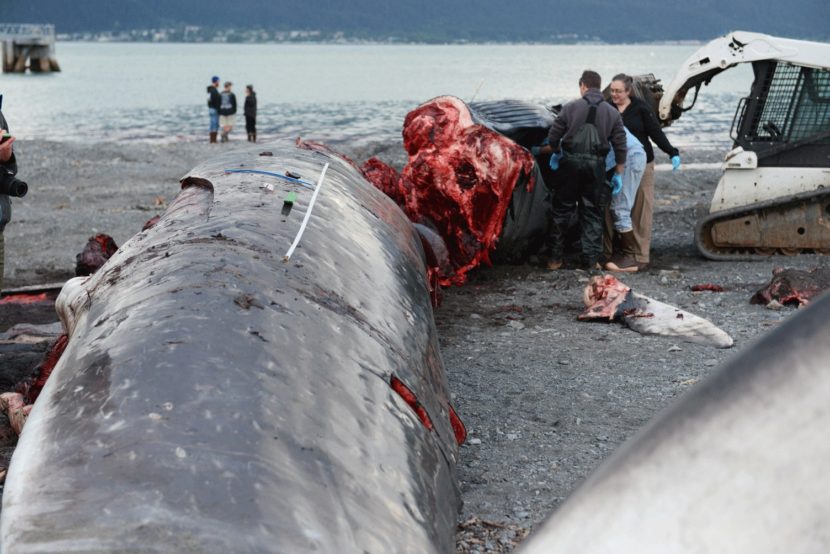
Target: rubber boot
[624,261]
[212,137]
[253,137]
[249,137]
[224,137]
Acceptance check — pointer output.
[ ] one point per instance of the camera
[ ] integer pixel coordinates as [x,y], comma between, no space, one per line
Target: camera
[11,185]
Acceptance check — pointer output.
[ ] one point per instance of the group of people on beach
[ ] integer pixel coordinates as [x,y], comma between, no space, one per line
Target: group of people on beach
[222,110]
[598,161]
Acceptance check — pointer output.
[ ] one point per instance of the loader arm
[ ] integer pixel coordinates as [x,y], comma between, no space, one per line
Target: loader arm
[728,51]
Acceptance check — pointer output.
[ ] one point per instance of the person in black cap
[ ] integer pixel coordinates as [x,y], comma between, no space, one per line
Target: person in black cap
[214,101]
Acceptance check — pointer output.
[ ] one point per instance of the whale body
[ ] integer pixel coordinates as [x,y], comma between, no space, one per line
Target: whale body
[215,397]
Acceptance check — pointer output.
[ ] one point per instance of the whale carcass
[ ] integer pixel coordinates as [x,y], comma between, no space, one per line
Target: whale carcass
[738,464]
[218,396]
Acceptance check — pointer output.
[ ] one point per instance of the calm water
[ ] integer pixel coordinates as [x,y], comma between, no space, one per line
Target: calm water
[156,92]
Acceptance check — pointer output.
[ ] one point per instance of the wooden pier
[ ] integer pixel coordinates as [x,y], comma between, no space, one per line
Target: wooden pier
[28,46]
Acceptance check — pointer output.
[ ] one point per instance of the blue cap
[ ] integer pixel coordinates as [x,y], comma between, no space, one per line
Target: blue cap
[214,79]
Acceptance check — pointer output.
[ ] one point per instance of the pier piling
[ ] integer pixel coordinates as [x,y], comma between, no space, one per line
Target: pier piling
[28,46]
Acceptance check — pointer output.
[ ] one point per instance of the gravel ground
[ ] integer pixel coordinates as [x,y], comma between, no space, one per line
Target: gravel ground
[545,398]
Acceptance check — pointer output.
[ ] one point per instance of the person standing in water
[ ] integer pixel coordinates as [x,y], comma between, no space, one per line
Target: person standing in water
[214,101]
[250,112]
[227,110]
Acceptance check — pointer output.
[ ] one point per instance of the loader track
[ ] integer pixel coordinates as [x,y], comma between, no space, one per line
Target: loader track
[788,226]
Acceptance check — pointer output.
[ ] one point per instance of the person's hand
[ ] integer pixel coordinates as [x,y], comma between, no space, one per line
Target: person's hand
[675,163]
[5,147]
[554,160]
[616,184]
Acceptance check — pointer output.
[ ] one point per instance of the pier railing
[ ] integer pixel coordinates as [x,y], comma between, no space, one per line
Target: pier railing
[27,30]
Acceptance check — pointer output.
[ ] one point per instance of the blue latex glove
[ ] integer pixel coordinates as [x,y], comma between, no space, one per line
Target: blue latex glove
[616,184]
[675,163]
[554,161]
[535,150]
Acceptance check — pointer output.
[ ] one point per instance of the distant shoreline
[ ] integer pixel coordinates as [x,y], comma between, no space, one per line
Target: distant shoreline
[356,42]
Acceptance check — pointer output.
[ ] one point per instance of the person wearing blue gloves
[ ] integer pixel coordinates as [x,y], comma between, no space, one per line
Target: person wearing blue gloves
[622,258]
[640,119]
[578,179]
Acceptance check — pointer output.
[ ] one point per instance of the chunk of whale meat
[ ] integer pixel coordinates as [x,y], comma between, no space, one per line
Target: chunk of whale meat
[793,286]
[458,181]
[97,251]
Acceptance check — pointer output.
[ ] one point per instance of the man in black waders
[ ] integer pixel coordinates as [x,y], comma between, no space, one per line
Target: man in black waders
[578,143]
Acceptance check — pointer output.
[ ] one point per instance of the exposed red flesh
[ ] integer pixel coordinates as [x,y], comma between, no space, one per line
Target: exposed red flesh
[412,401]
[25,298]
[97,251]
[793,286]
[459,180]
[49,362]
[707,286]
[602,296]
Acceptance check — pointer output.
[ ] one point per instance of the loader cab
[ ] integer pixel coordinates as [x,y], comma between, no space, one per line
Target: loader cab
[786,118]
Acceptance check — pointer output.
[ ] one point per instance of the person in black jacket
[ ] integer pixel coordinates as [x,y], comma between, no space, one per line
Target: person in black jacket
[8,165]
[250,112]
[574,190]
[227,110]
[640,119]
[214,101]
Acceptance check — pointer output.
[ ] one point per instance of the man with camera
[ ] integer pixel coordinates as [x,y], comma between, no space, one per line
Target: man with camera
[9,185]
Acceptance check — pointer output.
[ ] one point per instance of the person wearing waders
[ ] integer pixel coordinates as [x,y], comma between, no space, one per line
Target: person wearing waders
[8,168]
[577,145]
[214,102]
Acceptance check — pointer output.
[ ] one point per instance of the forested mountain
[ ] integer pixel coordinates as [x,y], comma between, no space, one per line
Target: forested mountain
[442,20]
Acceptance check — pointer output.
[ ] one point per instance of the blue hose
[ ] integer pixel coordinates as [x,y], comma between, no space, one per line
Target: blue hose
[306,184]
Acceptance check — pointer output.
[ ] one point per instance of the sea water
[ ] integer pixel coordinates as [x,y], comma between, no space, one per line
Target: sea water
[358,93]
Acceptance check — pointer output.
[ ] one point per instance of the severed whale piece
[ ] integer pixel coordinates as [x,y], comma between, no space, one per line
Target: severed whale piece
[738,464]
[471,180]
[793,286]
[606,298]
[216,398]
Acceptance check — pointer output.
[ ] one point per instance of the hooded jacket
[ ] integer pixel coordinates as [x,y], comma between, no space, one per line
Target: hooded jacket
[228,105]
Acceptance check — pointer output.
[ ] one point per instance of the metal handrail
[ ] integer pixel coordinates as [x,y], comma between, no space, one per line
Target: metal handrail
[27,30]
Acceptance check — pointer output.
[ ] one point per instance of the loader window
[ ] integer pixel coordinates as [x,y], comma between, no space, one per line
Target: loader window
[795,106]
[812,114]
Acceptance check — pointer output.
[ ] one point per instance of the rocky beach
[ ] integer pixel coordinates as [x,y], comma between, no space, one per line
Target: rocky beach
[545,397]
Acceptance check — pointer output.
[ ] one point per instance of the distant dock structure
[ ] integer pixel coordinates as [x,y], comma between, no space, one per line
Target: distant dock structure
[28,46]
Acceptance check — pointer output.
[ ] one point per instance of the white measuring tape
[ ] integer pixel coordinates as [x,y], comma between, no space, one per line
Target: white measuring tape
[307,215]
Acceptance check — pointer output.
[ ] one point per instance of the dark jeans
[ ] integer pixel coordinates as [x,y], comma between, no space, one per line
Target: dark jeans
[250,124]
[586,193]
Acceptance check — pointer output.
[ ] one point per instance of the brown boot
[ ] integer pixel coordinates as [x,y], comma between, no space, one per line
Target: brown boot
[624,260]
[253,137]
[212,137]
